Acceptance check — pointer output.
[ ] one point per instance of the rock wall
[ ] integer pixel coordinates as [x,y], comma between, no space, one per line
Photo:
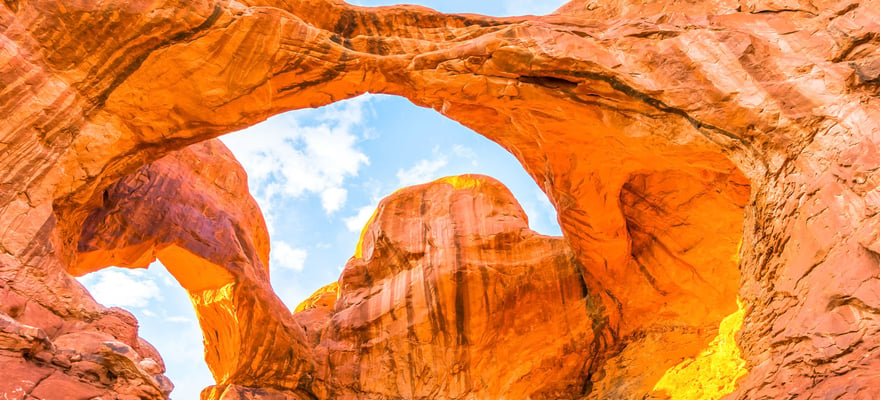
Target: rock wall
[695,152]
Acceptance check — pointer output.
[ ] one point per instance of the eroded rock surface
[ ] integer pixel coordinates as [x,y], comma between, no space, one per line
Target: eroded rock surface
[452,296]
[74,358]
[671,136]
[192,211]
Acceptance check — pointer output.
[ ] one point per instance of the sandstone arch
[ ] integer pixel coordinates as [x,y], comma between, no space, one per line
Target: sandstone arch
[191,210]
[593,100]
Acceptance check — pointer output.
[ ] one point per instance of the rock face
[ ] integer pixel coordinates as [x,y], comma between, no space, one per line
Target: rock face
[452,296]
[696,152]
[74,358]
[192,211]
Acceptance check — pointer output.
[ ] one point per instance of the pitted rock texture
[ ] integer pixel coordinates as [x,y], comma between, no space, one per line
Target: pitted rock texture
[453,296]
[68,358]
[671,136]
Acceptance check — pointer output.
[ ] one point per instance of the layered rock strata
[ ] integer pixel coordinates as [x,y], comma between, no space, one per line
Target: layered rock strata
[670,136]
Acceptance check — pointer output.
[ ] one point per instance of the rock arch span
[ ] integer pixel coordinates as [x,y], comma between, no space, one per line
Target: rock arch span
[604,104]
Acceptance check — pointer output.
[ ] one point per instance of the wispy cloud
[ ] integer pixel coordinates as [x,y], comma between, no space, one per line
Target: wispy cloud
[295,155]
[465,152]
[122,288]
[288,158]
[356,222]
[422,172]
[286,257]
[333,199]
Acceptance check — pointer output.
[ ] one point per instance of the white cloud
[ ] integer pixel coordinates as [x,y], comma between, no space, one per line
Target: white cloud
[356,222]
[333,199]
[463,151]
[287,158]
[286,257]
[305,153]
[166,280]
[122,288]
[178,319]
[424,171]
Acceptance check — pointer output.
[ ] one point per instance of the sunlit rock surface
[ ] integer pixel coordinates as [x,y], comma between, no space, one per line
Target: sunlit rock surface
[94,354]
[191,210]
[453,296]
[671,137]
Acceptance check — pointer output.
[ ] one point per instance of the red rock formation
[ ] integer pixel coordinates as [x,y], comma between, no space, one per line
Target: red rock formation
[648,125]
[97,353]
[452,296]
[192,211]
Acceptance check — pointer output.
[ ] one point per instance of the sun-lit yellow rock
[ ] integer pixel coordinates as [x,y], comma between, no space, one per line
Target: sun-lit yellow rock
[324,297]
[714,372]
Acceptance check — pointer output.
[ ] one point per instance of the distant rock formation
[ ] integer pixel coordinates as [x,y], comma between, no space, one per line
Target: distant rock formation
[451,295]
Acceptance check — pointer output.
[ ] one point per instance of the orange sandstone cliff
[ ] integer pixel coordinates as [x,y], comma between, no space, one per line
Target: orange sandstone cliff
[713,164]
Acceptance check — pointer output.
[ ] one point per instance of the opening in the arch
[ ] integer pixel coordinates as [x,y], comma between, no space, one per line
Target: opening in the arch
[319,174]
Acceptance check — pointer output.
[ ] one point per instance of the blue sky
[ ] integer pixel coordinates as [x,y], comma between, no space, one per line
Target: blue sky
[318,175]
